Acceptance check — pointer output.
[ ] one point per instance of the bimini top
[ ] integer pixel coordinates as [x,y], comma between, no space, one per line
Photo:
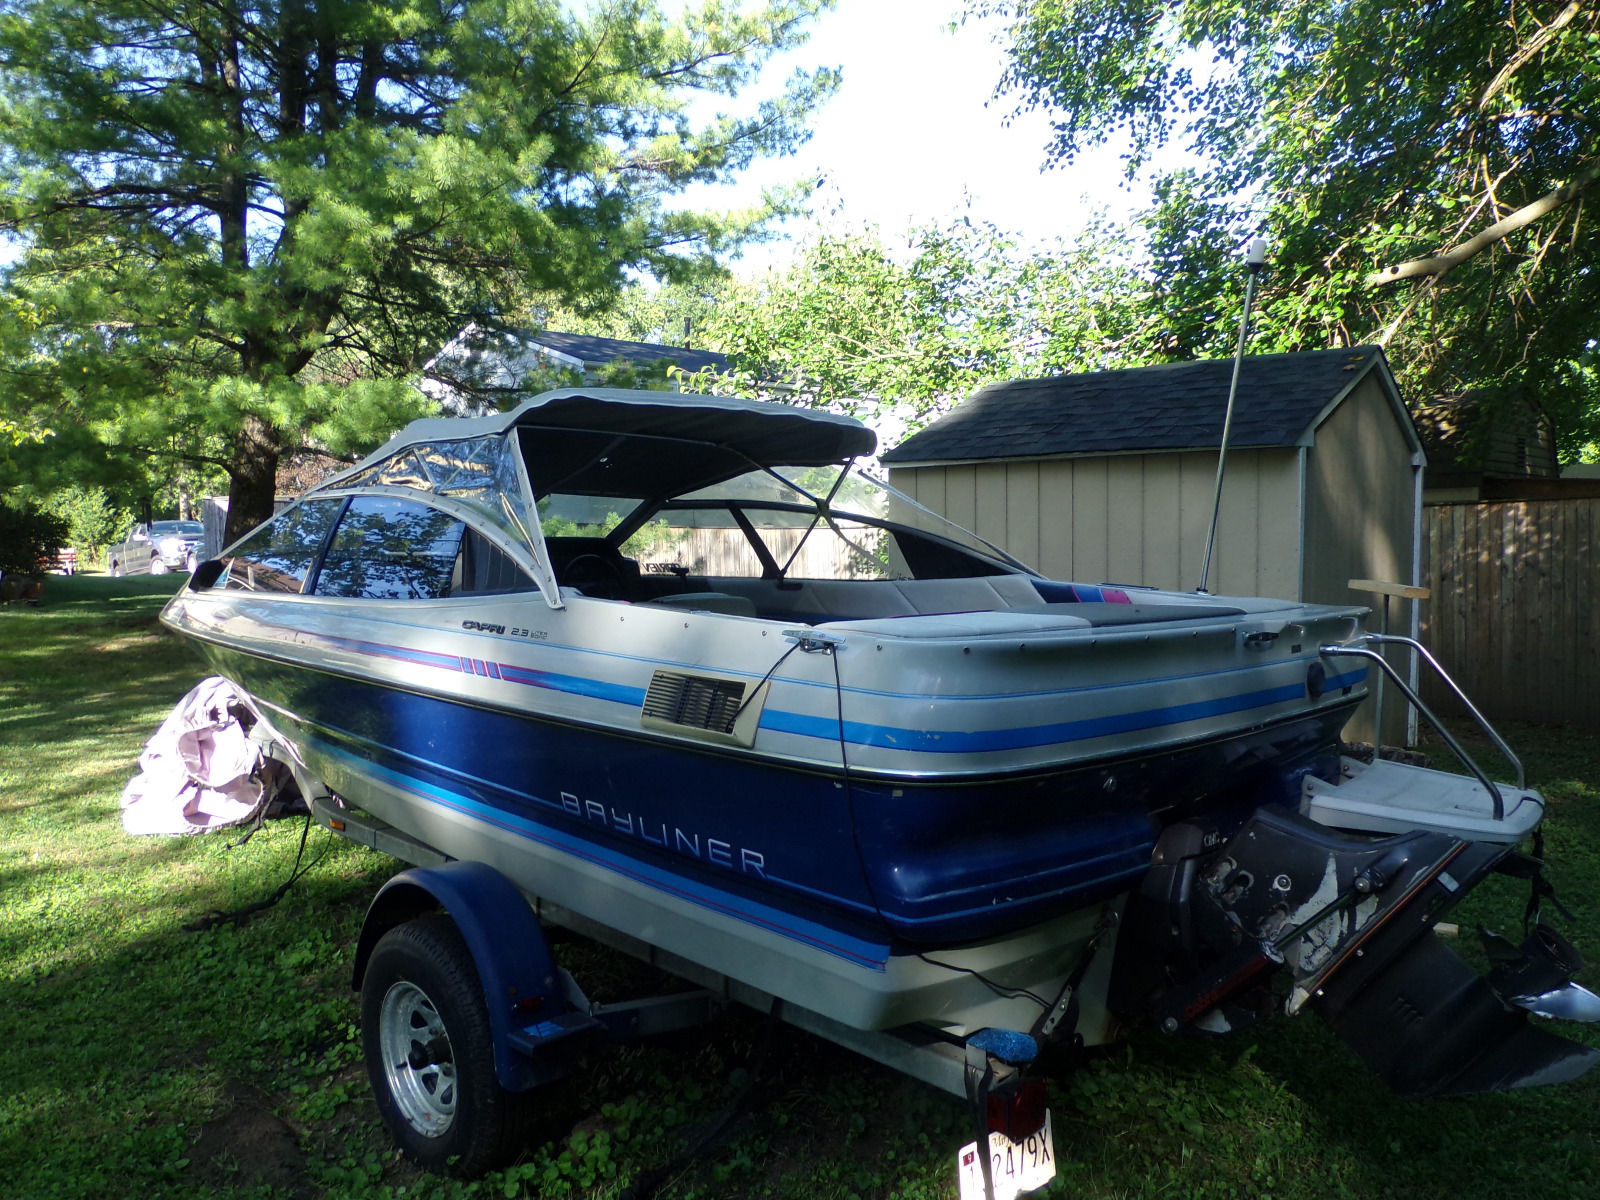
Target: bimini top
[717,437]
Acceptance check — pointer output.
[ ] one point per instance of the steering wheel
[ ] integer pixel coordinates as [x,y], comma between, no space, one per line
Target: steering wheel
[595,575]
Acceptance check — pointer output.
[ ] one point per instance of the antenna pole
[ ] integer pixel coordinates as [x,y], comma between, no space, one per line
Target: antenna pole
[1254,257]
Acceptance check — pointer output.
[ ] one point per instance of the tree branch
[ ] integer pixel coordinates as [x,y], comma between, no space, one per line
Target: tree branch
[1534,45]
[1442,264]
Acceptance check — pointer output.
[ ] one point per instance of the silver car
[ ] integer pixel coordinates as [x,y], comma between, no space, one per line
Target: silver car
[135,555]
[177,545]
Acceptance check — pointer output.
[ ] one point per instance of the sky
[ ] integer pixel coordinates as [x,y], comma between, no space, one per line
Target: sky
[914,136]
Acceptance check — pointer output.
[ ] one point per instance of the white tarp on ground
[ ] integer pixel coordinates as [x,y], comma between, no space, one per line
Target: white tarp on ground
[201,770]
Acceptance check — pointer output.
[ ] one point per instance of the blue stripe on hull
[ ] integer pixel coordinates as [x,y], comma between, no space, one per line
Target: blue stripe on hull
[833,941]
[949,741]
[859,733]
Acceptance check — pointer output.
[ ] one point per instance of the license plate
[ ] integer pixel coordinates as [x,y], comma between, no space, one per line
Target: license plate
[1015,1167]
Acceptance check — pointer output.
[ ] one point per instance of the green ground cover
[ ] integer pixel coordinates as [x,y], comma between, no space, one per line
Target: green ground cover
[144,1060]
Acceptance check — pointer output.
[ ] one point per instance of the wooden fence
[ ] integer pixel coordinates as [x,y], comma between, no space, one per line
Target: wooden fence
[1513,612]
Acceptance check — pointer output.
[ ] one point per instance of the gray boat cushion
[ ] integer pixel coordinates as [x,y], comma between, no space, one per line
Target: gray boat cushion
[854,599]
[1116,613]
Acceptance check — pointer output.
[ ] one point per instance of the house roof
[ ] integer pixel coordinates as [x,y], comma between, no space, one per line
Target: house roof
[1468,442]
[485,361]
[1281,400]
[601,351]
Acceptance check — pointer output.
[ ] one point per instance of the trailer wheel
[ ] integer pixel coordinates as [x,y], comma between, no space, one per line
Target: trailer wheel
[426,1036]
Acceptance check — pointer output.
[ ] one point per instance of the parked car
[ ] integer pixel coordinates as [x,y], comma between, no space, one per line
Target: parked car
[157,548]
[134,555]
[177,545]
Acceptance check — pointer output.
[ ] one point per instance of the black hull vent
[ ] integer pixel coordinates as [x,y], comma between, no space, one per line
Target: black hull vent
[694,701]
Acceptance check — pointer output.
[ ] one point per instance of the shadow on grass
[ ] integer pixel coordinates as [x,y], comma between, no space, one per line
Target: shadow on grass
[138,1024]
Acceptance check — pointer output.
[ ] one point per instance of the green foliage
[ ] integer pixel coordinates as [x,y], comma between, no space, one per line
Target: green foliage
[244,224]
[92,521]
[860,326]
[655,376]
[1421,169]
[29,537]
[19,433]
[672,314]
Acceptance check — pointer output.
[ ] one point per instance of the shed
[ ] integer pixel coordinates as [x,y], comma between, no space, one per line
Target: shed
[1478,452]
[1109,476]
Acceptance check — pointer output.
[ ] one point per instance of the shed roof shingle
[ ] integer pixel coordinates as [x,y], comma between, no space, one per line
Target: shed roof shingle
[1173,406]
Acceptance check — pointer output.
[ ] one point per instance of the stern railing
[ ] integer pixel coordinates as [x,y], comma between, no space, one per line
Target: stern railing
[1361,647]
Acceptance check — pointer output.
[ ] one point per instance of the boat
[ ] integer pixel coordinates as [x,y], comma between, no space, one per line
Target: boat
[682,671]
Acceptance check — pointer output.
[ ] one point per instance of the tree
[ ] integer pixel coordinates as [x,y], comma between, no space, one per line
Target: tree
[92,521]
[905,332]
[1423,169]
[243,222]
[29,538]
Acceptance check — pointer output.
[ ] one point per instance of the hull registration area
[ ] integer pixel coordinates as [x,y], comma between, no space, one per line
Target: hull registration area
[1014,1167]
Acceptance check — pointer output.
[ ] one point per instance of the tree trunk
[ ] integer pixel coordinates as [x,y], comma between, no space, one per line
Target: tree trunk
[252,477]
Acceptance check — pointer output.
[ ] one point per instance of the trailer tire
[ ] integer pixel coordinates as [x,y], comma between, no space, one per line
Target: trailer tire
[429,1049]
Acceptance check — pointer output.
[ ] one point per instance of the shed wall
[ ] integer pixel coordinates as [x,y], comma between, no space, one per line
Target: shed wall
[1360,501]
[1360,512]
[1131,519]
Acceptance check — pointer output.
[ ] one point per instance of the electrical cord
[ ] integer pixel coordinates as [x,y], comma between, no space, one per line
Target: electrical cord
[239,916]
[765,679]
[850,808]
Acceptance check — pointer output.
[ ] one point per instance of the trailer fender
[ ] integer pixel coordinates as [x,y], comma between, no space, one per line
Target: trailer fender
[521,982]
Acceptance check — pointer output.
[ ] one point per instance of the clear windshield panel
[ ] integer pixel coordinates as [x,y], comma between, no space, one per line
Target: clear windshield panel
[709,542]
[583,516]
[859,495]
[846,549]
[779,485]
[695,541]
[279,555]
[387,548]
[480,472]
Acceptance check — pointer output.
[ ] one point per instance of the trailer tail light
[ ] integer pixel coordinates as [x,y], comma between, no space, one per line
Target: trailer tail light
[1018,1112]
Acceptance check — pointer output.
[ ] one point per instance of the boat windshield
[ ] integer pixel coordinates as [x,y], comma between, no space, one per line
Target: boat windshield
[846,497]
[482,473]
[564,515]
[810,522]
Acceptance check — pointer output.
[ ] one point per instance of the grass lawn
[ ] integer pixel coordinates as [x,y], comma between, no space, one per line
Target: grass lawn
[146,1061]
